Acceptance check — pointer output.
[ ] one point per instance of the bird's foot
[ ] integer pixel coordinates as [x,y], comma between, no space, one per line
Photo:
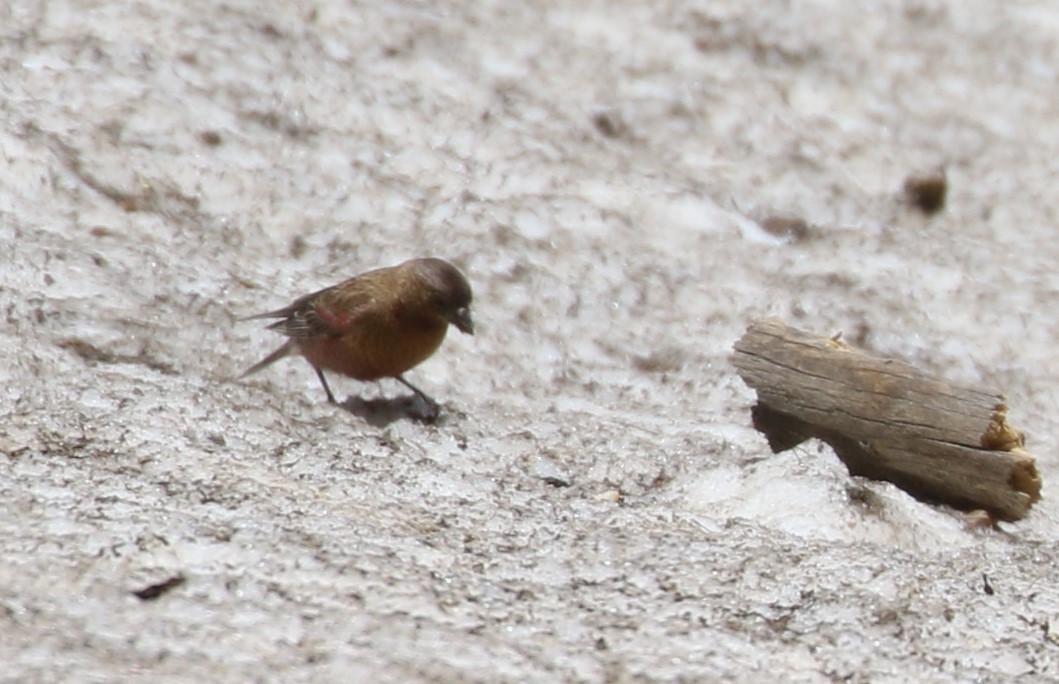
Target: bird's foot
[433,410]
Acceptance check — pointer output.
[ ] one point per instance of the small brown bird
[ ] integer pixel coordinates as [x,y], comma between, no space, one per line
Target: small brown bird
[376,325]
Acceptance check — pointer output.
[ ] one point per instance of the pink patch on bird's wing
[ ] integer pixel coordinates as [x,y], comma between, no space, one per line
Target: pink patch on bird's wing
[337,321]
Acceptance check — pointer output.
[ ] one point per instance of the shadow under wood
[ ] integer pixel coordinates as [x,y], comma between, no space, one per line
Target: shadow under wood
[785,432]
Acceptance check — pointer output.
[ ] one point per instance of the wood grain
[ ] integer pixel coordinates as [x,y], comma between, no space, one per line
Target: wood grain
[888,420]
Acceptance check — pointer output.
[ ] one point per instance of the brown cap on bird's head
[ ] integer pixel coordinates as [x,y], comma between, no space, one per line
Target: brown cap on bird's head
[450,291]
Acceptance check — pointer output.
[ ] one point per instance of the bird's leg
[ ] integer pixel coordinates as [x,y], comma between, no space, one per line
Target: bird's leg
[323,381]
[432,405]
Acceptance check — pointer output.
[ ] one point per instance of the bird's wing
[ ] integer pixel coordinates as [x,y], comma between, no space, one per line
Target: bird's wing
[330,312]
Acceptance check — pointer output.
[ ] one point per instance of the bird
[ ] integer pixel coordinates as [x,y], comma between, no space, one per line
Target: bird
[375,325]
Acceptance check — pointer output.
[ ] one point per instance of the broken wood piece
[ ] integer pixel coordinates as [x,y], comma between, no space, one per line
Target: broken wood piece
[887,420]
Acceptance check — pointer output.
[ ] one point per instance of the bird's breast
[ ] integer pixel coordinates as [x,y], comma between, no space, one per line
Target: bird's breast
[374,350]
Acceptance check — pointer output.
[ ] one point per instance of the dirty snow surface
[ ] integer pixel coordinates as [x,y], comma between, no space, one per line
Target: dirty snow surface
[593,505]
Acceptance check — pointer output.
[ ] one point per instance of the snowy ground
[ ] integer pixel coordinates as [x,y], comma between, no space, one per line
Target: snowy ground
[601,171]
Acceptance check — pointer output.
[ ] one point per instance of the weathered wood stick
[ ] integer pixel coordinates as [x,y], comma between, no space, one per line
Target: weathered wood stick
[887,420]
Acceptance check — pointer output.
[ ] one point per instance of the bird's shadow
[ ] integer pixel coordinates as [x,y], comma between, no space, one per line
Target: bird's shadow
[382,412]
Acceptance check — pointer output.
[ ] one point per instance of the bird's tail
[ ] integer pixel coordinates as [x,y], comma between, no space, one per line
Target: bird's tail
[275,356]
[278,313]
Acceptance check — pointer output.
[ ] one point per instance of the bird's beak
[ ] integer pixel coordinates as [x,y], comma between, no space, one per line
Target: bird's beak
[462,320]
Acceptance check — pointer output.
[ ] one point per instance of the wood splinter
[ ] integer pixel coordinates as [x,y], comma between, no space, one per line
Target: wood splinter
[887,420]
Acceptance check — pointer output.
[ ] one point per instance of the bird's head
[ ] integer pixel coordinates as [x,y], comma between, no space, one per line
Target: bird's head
[450,292]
